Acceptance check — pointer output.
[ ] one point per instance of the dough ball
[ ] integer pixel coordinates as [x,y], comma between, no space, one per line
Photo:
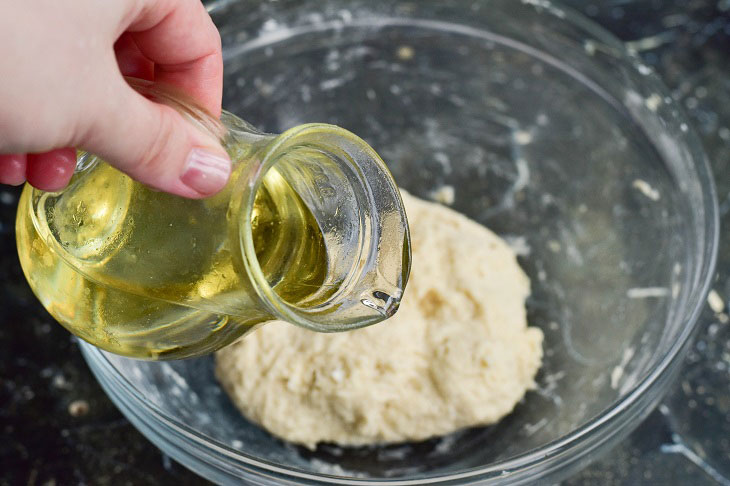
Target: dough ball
[457,354]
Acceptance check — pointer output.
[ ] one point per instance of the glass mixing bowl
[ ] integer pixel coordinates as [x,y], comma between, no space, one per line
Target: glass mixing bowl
[549,133]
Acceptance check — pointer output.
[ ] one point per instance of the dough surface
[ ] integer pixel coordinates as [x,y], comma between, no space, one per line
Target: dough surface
[457,354]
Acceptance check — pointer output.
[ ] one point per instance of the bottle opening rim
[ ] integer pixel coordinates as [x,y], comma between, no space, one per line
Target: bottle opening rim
[365,261]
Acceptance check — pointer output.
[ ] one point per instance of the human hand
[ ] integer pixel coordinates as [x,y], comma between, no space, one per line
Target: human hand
[61,85]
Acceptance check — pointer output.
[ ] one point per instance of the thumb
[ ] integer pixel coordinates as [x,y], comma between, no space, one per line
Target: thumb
[155,145]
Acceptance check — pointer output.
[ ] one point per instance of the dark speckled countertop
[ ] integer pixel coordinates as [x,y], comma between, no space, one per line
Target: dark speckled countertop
[59,428]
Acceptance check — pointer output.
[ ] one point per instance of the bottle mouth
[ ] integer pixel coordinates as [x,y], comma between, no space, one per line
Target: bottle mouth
[338,183]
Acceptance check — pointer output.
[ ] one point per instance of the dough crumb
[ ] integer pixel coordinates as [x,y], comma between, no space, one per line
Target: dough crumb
[643,187]
[78,408]
[457,354]
[716,303]
[405,53]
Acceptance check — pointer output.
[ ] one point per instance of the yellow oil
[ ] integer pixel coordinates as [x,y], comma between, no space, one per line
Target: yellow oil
[146,274]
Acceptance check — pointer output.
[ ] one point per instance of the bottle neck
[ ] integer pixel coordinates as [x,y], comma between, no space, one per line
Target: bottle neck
[353,201]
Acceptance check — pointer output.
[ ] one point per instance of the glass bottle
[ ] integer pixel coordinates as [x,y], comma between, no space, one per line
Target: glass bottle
[310,229]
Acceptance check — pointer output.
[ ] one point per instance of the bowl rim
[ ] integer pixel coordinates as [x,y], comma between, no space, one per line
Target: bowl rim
[592,433]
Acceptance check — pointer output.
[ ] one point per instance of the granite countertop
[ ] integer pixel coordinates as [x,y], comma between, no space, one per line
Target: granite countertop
[58,426]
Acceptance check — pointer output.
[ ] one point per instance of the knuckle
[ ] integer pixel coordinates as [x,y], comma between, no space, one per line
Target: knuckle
[156,152]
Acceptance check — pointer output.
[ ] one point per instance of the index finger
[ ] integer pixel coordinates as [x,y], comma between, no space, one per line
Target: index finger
[181,39]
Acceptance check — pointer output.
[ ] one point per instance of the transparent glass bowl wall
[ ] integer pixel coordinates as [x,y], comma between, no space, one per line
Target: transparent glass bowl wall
[551,135]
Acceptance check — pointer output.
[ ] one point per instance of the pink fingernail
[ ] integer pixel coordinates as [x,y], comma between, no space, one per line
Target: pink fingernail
[206,172]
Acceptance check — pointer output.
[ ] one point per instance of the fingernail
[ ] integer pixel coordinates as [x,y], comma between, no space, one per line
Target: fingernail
[206,172]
